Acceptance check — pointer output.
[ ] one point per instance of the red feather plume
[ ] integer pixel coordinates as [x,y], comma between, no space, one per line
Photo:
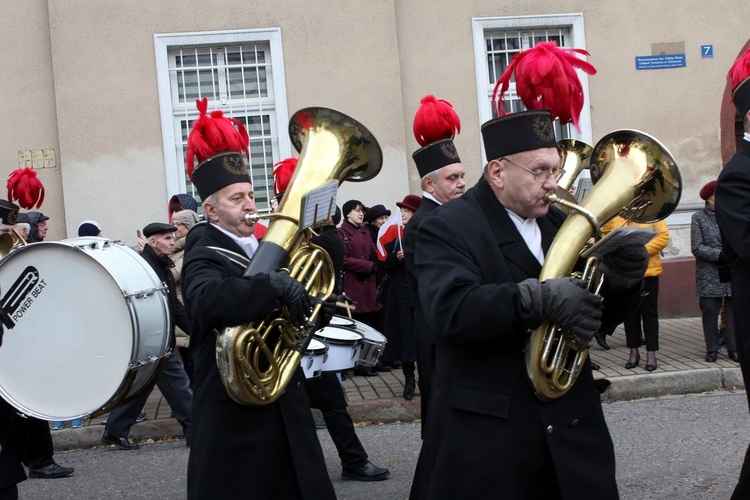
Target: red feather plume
[435,120]
[213,134]
[282,174]
[25,188]
[546,79]
[740,70]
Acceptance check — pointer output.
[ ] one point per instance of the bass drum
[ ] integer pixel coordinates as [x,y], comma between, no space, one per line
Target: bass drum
[86,323]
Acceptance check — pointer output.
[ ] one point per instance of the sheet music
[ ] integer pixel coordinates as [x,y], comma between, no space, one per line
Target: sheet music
[318,204]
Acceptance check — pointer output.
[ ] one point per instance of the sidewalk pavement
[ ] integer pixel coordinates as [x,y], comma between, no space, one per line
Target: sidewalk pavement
[681,370]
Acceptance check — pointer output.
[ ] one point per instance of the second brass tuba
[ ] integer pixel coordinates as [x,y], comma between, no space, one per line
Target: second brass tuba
[636,177]
[256,361]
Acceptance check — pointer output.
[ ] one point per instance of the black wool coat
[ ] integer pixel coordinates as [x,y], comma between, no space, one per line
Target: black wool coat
[242,451]
[489,435]
[162,266]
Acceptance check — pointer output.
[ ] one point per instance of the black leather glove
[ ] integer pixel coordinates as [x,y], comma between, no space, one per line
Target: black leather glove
[624,268]
[292,294]
[327,310]
[564,302]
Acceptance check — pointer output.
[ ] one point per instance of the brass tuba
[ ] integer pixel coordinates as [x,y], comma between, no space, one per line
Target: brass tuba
[637,178]
[576,157]
[257,361]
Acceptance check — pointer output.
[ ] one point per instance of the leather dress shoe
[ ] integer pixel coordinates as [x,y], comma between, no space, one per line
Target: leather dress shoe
[650,368]
[601,340]
[119,442]
[380,366]
[734,356]
[51,471]
[368,472]
[711,356]
[365,372]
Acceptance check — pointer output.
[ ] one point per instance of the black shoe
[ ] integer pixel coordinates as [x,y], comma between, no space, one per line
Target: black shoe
[711,356]
[119,442]
[51,471]
[380,366]
[365,372]
[395,364]
[595,366]
[368,472]
[601,339]
[734,356]
[650,368]
[632,364]
[409,390]
[141,416]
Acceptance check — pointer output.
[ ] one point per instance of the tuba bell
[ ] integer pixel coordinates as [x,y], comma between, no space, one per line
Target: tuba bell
[257,361]
[637,178]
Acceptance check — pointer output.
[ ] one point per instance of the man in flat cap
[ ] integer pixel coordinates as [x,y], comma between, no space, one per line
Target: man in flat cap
[275,443]
[173,382]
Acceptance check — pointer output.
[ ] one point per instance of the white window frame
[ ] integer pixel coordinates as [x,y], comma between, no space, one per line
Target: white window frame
[175,172]
[480,26]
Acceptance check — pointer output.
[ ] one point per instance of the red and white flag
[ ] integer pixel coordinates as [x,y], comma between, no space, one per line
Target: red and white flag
[391,230]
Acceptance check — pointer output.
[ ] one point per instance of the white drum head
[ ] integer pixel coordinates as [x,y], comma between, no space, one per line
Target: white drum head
[338,335]
[68,338]
[368,332]
[316,347]
[341,321]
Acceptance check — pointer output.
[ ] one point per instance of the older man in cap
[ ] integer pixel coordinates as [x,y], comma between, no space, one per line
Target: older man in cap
[276,443]
[173,382]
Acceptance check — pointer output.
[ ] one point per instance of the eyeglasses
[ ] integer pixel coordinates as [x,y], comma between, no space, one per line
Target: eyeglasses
[540,176]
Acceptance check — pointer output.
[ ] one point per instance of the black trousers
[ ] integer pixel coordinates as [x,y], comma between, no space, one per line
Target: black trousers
[648,314]
[174,385]
[327,395]
[710,310]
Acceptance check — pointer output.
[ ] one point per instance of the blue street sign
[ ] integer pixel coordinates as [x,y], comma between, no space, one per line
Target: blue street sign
[707,51]
[660,62]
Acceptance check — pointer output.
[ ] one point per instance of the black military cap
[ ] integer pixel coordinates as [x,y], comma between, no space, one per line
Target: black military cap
[158,228]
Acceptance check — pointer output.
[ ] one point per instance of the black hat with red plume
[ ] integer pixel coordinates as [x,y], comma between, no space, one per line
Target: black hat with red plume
[435,126]
[739,74]
[547,83]
[282,175]
[25,188]
[218,147]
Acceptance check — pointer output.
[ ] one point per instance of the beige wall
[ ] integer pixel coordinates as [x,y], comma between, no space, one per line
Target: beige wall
[93,96]
[27,102]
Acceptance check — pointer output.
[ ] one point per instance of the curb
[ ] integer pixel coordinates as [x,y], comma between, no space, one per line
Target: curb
[670,383]
[391,410]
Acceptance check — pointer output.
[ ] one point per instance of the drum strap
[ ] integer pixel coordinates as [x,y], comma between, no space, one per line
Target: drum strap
[238,259]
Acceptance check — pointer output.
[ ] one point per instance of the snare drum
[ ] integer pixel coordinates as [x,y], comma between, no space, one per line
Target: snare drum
[314,358]
[86,322]
[344,346]
[343,321]
[372,346]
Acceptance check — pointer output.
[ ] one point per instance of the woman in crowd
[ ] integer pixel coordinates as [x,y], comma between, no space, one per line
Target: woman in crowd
[183,221]
[398,325]
[645,320]
[705,242]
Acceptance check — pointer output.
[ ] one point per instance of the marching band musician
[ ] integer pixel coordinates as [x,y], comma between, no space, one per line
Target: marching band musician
[325,393]
[23,439]
[480,296]
[442,179]
[732,212]
[270,451]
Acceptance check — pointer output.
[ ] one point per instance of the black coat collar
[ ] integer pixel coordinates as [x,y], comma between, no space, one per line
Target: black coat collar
[508,238]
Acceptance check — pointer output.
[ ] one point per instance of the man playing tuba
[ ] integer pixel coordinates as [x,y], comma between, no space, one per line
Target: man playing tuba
[479,291]
[269,451]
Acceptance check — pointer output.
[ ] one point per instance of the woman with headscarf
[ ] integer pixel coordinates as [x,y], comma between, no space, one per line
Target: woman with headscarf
[183,221]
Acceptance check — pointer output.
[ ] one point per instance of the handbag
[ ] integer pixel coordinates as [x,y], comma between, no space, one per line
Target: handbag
[382,292]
